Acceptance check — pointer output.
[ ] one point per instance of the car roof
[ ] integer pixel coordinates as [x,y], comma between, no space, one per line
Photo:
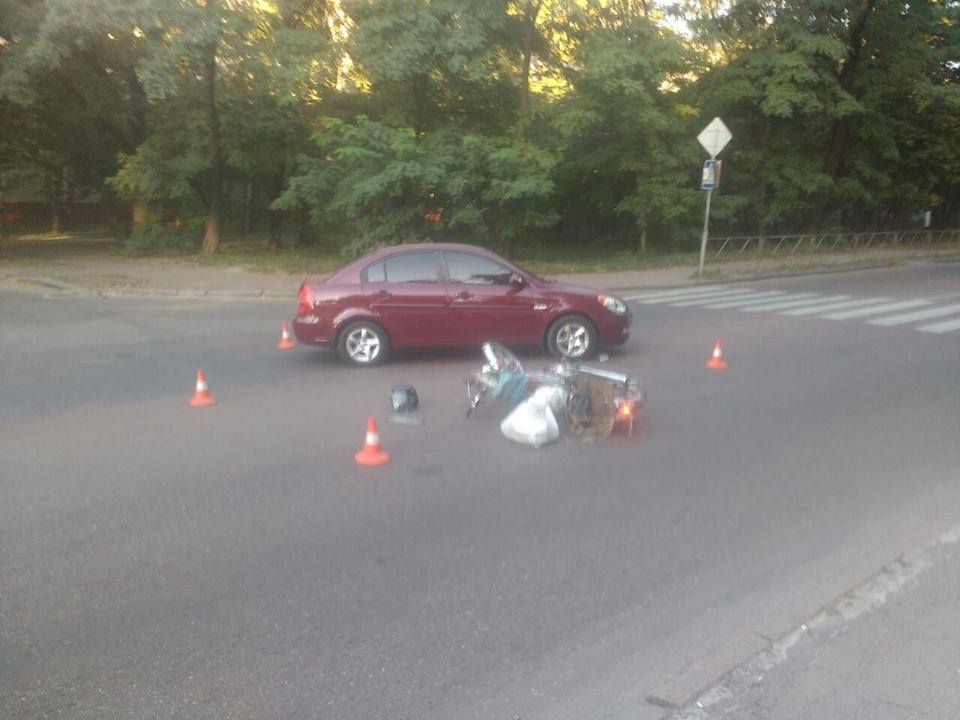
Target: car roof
[426,246]
[351,273]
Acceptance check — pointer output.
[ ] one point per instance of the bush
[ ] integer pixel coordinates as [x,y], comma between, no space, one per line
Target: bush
[157,239]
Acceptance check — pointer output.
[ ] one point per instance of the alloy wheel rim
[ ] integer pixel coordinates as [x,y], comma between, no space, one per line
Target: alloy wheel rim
[573,340]
[363,345]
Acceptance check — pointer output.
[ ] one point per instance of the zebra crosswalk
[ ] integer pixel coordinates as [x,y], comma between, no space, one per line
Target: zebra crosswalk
[929,315]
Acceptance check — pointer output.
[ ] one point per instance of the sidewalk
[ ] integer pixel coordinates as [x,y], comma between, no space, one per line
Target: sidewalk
[110,276]
[889,650]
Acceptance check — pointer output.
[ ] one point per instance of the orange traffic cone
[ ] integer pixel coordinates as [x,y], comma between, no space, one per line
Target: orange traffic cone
[202,397]
[716,361]
[286,339]
[372,453]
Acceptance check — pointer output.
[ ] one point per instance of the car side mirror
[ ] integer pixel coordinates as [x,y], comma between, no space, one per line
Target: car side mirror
[517,280]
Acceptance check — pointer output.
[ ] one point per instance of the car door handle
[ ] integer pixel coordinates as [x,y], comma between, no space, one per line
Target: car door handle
[463,295]
[381,294]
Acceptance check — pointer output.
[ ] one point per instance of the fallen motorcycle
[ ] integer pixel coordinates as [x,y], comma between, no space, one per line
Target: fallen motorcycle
[590,402]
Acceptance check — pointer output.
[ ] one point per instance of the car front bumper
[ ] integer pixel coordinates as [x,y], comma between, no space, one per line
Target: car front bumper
[615,329]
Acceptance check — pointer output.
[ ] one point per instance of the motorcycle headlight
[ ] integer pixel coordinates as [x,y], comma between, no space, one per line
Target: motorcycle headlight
[614,305]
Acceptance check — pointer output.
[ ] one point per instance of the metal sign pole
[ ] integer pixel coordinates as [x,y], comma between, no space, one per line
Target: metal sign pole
[714,137]
[706,231]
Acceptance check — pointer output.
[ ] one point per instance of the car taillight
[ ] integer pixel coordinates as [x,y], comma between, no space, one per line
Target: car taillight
[306,298]
[626,410]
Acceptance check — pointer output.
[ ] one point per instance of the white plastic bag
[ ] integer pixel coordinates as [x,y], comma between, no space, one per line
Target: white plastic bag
[532,422]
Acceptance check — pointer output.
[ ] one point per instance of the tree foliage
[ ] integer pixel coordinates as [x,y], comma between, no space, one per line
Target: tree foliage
[497,121]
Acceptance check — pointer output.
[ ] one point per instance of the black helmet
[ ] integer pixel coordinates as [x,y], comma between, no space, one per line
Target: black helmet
[403,399]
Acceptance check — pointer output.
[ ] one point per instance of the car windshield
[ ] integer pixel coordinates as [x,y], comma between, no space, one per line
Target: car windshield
[536,277]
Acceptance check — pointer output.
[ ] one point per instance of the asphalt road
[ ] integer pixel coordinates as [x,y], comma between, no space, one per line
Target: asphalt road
[233,562]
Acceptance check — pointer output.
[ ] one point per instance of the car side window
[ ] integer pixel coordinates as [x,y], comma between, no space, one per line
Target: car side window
[473,269]
[412,267]
[376,273]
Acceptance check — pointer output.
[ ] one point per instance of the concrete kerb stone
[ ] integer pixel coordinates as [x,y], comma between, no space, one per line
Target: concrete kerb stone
[193,294]
[135,292]
[48,283]
[893,579]
[234,293]
[259,293]
[186,293]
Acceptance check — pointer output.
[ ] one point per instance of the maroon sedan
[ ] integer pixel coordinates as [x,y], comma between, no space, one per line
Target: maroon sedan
[442,295]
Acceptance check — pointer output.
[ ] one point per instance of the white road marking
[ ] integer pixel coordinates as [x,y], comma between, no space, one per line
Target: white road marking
[831,307]
[948,326]
[747,301]
[876,309]
[811,299]
[677,291]
[834,306]
[915,316]
[730,295]
[688,295]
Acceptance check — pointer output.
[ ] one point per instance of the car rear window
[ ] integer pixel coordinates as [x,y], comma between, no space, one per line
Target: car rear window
[475,270]
[415,267]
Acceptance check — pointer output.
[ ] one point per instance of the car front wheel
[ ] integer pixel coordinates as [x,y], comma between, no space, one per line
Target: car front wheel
[363,343]
[573,337]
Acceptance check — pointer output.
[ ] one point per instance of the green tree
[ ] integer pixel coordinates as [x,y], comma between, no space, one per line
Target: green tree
[827,93]
[501,187]
[71,92]
[630,152]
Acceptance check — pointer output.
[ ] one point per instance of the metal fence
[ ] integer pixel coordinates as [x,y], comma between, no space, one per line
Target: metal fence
[787,245]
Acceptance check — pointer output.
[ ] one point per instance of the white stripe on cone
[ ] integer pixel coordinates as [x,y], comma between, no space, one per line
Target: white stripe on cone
[201,386]
[373,438]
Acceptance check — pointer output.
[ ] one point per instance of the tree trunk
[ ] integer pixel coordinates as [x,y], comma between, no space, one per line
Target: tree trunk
[138,212]
[136,132]
[530,28]
[4,231]
[840,132]
[642,246]
[525,73]
[56,216]
[845,79]
[304,231]
[276,230]
[276,216]
[211,239]
[248,216]
[420,104]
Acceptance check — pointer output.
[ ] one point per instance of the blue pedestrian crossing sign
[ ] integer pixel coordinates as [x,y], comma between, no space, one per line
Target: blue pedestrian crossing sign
[711,175]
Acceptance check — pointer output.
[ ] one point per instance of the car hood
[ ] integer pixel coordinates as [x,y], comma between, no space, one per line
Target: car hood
[555,287]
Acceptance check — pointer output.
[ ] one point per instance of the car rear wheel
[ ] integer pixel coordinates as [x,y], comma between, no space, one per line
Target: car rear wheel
[573,337]
[363,343]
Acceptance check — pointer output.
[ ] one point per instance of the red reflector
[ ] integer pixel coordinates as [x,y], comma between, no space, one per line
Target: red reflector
[306,298]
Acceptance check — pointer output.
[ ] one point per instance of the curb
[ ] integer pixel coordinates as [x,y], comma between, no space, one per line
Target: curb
[47,283]
[61,286]
[891,581]
[253,293]
[190,294]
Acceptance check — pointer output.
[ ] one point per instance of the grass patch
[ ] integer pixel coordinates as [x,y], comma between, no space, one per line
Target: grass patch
[584,262]
[252,252]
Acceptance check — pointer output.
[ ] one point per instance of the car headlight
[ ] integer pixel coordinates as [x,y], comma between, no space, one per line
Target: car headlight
[614,305]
